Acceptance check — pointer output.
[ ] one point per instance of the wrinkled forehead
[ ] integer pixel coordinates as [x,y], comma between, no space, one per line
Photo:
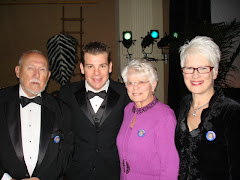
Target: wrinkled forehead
[35,59]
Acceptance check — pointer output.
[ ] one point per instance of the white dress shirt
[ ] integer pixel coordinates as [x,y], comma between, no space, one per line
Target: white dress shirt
[96,101]
[30,117]
[30,126]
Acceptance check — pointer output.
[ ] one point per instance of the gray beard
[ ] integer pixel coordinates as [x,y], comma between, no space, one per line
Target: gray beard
[29,91]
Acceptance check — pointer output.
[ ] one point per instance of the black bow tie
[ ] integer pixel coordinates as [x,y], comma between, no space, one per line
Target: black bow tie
[25,101]
[101,94]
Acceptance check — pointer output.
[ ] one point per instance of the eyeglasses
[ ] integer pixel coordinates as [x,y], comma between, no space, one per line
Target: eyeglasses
[200,70]
[139,84]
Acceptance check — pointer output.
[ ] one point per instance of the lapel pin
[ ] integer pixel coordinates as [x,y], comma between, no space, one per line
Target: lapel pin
[141,133]
[210,135]
[57,139]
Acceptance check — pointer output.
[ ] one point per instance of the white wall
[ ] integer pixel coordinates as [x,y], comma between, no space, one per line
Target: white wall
[141,16]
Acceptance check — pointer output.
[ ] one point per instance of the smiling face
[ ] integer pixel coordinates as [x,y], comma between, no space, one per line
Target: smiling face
[139,88]
[199,83]
[96,69]
[33,73]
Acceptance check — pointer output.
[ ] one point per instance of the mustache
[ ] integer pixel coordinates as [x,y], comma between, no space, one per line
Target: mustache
[35,81]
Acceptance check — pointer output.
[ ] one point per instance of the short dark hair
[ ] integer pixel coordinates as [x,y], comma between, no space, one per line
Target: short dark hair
[96,48]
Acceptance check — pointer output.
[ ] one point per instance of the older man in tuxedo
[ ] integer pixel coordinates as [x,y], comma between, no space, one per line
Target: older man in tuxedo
[34,144]
[96,105]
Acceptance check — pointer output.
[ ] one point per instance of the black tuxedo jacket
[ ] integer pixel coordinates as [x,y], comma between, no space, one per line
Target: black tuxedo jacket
[95,152]
[53,157]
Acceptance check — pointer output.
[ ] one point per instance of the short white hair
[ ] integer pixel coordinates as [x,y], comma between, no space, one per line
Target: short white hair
[204,46]
[142,67]
[29,52]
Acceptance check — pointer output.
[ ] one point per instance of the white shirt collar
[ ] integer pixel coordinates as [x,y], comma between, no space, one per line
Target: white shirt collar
[89,88]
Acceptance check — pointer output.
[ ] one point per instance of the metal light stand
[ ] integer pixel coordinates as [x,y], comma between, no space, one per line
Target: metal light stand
[128,55]
[153,59]
[165,56]
[146,54]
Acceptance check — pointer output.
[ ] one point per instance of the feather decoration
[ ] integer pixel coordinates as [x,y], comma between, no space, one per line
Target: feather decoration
[62,57]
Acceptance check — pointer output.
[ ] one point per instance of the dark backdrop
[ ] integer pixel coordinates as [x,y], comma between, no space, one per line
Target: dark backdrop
[186,16]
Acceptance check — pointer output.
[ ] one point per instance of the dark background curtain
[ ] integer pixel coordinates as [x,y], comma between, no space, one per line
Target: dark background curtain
[186,16]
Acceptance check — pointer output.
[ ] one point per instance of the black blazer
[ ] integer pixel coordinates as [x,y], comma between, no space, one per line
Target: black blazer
[95,152]
[206,157]
[53,157]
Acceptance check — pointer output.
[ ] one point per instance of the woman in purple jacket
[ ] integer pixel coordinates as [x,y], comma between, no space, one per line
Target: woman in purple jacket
[146,139]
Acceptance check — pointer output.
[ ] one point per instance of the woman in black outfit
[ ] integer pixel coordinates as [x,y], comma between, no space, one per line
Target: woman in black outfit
[207,134]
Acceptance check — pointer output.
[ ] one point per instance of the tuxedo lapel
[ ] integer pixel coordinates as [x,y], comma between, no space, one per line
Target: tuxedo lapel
[80,96]
[112,98]
[14,125]
[47,122]
[112,101]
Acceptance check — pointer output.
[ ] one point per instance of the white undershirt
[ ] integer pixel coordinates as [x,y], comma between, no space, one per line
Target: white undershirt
[96,101]
[30,117]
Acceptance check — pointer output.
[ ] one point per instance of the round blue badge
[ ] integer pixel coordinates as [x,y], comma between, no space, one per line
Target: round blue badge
[57,139]
[210,135]
[141,133]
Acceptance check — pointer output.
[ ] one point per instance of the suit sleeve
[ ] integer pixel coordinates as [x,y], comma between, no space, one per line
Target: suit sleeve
[67,147]
[68,136]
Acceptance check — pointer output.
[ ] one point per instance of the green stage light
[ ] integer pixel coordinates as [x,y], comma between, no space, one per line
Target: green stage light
[175,34]
[127,35]
[127,39]
[167,40]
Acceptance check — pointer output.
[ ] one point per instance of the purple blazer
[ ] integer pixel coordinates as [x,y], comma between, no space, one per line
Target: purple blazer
[147,151]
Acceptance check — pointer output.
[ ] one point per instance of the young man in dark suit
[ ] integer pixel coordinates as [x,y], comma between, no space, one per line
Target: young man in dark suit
[34,144]
[97,105]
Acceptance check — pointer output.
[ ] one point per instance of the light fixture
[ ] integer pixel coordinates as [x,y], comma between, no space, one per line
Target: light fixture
[175,34]
[150,38]
[127,39]
[154,34]
[166,40]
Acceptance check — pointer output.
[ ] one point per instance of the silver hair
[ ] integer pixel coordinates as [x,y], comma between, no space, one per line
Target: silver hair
[29,52]
[204,46]
[142,67]
[19,64]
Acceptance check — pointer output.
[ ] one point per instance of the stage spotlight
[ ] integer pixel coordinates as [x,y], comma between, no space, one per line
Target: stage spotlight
[166,40]
[154,34]
[149,38]
[175,34]
[127,39]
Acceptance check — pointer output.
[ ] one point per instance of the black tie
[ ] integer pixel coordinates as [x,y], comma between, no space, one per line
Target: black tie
[101,94]
[25,101]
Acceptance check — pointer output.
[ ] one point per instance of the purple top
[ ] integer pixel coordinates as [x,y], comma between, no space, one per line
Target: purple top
[147,151]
